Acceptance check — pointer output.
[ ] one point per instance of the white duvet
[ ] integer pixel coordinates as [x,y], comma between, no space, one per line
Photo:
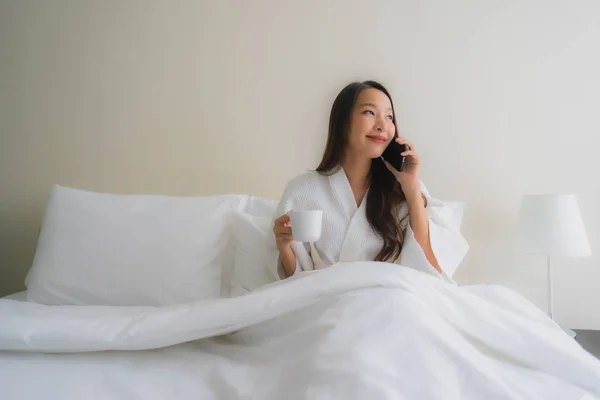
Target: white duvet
[361,330]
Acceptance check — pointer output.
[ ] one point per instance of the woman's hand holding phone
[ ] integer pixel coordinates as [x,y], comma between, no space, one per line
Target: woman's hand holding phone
[409,176]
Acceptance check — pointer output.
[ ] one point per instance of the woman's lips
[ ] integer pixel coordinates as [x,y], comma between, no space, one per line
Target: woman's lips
[377,139]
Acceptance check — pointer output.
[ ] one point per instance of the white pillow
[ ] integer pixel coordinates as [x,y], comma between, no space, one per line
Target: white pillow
[254,252]
[106,249]
[257,207]
[260,206]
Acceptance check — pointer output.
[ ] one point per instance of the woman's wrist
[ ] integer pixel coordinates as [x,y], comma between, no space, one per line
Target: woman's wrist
[284,247]
[412,193]
[287,258]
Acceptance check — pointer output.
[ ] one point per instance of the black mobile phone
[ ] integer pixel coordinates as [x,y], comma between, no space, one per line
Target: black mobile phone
[392,154]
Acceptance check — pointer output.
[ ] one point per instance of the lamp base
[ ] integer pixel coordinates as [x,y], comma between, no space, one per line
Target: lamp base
[550,302]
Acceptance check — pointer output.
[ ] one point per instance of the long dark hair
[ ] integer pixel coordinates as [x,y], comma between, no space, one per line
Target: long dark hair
[385,195]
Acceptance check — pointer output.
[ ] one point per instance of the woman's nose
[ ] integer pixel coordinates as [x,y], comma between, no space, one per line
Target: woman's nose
[379,124]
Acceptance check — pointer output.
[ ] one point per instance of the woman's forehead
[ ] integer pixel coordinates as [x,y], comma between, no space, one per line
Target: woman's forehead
[373,97]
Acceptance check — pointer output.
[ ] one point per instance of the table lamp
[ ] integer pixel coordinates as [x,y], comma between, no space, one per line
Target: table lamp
[551,225]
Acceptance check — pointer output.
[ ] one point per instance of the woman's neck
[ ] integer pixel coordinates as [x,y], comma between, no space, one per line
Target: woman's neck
[357,171]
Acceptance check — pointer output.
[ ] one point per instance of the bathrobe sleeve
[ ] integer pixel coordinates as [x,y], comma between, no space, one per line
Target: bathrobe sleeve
[447,243]
[293,199]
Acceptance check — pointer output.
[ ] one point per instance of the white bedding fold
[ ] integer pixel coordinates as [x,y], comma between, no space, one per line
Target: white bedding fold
[387,331]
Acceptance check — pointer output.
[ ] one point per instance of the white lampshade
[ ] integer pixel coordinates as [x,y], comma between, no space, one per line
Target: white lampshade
[551,225]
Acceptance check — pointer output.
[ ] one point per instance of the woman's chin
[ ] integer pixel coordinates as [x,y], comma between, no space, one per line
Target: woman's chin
[375,153]
[369,152]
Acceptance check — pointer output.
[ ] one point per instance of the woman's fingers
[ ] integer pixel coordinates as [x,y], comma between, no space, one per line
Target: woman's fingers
[281,222]
[403,140]
[283,230]
[282,219]
[410,152]
[389,167]
[284,237]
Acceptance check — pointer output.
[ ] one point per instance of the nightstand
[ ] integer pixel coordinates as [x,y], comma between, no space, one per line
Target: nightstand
[589,340]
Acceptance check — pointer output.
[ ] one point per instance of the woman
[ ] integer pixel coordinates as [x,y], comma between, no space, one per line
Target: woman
[370,210]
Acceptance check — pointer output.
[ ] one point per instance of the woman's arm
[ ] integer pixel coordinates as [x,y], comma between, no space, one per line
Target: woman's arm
[292,257]
[288,260]
[432,242]
[450,244]
[419,223]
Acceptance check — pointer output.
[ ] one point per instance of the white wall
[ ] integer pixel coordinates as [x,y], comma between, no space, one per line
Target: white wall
[201,97]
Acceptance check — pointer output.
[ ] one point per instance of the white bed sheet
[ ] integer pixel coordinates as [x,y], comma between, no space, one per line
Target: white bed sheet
[186,371]
[370,331]
[192,370]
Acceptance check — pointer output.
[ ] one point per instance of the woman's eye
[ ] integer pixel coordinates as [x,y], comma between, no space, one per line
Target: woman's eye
[368,112]
[390,117]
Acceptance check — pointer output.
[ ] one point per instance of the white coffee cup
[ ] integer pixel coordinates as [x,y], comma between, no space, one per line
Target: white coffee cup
[306,225]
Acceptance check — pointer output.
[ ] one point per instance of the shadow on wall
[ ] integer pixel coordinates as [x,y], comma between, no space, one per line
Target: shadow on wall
[17,247]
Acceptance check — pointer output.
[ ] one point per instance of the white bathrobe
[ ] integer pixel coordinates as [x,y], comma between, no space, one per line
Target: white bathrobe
[348,236]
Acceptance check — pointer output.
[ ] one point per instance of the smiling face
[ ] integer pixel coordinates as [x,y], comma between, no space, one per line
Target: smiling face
[371,124]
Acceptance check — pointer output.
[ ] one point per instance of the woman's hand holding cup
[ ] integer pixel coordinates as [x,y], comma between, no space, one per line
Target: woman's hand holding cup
[282,228]
[301,226]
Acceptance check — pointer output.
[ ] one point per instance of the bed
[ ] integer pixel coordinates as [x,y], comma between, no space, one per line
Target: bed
[211,321]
